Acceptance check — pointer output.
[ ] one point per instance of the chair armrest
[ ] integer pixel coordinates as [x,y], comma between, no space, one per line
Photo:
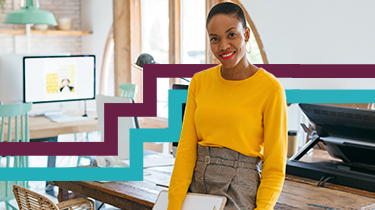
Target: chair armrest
[79,203]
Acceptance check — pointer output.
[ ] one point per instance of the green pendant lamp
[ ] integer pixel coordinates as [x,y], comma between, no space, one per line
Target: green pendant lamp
[30,14]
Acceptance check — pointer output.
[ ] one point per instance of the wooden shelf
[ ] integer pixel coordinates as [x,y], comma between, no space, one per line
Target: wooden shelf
[52,32]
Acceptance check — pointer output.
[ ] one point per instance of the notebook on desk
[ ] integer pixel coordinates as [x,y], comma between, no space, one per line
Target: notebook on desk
[193,201]
[59,117]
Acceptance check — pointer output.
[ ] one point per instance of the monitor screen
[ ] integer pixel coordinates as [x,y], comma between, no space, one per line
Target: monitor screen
[180,87]
[58,78]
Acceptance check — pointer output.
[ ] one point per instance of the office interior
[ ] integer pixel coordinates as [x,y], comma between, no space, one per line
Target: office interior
[173,32]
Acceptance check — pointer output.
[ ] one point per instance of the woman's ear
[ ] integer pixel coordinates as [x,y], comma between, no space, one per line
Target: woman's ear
[247,34]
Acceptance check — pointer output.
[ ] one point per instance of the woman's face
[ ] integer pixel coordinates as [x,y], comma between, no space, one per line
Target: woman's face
[65,82]
[228,39]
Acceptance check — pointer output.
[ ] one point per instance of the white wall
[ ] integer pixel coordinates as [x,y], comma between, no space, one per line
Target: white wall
[316,32]
[41,43]
[97,16]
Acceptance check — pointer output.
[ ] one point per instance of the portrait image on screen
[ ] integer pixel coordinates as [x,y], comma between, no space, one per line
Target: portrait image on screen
[58,78]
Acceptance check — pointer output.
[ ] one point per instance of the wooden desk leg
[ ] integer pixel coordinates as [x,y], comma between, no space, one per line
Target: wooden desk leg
[63,195]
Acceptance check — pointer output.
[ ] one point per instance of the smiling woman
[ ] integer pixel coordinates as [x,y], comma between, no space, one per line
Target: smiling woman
[235,118]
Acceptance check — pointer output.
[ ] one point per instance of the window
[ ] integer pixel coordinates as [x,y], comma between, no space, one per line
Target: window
[155,41]
[155,29]
[255,56]
[193,32]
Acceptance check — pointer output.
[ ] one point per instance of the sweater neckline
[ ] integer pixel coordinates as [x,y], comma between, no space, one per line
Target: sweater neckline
[237,82]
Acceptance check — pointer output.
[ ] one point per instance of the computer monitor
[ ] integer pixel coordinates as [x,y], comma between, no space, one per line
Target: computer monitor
[347,133]
[58,78]
[179,87]
[11,79]
[341,122]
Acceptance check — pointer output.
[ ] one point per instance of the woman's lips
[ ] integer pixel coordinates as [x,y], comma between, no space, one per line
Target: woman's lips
[227,56]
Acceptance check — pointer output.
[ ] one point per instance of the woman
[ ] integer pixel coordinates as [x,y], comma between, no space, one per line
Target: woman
[65,87]
[235,117]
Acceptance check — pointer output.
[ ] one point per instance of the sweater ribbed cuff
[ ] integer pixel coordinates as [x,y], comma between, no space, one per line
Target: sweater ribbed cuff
[175,202]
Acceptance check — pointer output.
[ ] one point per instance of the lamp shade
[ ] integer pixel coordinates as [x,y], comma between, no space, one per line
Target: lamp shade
[144,58]
[30,15]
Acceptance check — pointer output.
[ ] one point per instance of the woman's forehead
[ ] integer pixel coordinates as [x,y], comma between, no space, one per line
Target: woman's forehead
[221,23]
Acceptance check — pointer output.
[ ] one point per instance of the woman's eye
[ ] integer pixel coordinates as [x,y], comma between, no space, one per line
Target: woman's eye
[213,39]
[232,34]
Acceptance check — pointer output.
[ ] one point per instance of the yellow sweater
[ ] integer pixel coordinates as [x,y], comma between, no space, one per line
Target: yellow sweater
[248,116]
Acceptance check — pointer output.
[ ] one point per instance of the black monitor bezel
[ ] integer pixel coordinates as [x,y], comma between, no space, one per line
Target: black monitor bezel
[343,125]
[57,56]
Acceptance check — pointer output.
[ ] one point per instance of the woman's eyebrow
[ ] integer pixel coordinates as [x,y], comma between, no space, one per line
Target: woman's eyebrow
[230,29]
[225,31]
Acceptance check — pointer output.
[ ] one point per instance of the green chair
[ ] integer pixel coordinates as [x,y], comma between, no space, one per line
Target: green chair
[8,113]
[127,90]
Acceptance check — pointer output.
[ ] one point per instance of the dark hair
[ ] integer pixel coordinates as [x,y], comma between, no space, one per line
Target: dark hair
[229,9]
[65,79]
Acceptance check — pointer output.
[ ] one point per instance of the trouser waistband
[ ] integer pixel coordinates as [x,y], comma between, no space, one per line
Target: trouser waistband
[227,157]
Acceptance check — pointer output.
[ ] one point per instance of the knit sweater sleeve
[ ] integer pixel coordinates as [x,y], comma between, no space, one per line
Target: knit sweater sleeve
[275,148]
[186,154]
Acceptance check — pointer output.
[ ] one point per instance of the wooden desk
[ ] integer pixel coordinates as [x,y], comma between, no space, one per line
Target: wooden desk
[124,195]
[296,194]
[41,127]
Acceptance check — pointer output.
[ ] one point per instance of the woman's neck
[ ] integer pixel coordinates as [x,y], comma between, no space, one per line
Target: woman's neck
[241,71]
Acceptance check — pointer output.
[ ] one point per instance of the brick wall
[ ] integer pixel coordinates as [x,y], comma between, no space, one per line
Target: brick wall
[43,43]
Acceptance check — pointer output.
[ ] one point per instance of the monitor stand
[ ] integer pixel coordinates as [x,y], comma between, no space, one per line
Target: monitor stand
[85,114]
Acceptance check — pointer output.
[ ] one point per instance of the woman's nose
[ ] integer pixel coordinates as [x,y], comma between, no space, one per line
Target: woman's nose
[224,45]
